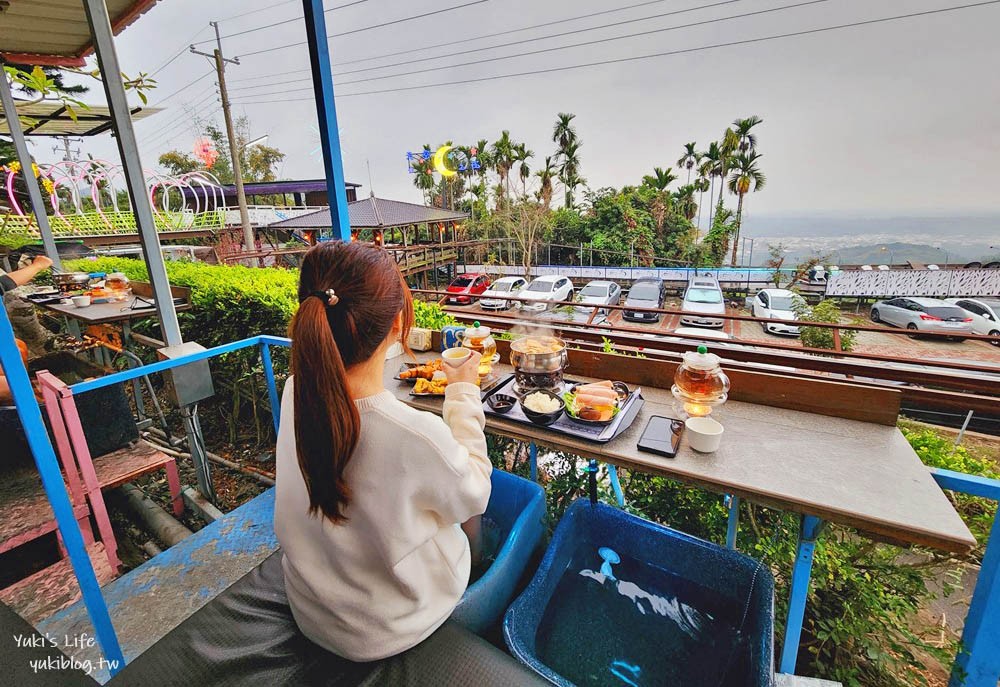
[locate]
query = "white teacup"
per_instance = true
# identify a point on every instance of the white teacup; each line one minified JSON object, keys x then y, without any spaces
{"x":704,"y":434}
{"x":81,"y":301}
{"x":455,"y":356}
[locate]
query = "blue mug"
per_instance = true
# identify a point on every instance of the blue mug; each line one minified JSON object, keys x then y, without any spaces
{"x":451,"y":336}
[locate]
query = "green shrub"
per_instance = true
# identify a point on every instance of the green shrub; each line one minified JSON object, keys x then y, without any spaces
{"x":431,"y":316}
{"x":822,"y":337}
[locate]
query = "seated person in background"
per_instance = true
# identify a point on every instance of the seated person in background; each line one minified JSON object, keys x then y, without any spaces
{"x":11,"y":280}
{"x":5,"y":397}
{"x":370,"y":492}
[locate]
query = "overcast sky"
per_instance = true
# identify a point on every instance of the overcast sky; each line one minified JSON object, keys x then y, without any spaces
{"x":898,"y":117}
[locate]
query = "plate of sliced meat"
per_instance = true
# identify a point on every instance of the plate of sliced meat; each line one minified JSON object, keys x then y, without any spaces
{"x":596,"y":403}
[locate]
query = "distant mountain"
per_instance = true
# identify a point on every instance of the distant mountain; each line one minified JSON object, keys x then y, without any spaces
{"x":896,"y":252}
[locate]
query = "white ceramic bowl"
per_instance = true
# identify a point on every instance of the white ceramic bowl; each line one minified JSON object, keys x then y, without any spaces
{"x":704,"y":434}
{"x":81,"y":301}
{"x":455,"y":356}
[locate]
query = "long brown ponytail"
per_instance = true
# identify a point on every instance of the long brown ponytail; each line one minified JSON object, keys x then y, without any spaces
{"x":326,"y":341}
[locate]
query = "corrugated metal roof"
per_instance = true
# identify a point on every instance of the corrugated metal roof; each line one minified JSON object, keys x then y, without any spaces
{"x":51,"y":119}
{"x":372,"y":212}
{"x":55,"y":32}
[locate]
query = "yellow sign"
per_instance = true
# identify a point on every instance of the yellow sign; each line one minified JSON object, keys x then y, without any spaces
{"x":439,"y":163}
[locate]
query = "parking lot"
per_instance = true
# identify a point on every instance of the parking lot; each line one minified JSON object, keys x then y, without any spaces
{"x":875,"y":343}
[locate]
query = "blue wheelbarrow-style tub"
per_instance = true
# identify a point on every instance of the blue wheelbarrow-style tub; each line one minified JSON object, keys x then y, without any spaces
{"x":735,"y":587}
{"x":517,"y":511}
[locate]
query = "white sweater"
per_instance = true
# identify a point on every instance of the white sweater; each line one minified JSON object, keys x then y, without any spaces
{"x":384,"y":580}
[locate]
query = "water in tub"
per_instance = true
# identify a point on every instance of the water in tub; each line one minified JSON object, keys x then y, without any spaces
{"x":641,"y":626}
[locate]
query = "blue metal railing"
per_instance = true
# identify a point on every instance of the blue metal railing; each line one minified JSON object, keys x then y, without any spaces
{"x":978,"y":663}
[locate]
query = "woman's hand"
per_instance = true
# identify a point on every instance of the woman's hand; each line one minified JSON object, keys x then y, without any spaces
{"x":466,"y":372}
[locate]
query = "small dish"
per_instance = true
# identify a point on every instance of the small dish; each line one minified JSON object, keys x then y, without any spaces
{"x":501,"y":403}
{"x":542,"y":418}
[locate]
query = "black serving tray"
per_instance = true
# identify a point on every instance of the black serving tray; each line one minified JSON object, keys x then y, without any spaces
{"x":564,"y":425}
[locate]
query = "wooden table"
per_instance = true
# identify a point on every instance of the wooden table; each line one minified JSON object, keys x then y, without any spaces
{"x":850,"y":472}
{"x":854,"y":473}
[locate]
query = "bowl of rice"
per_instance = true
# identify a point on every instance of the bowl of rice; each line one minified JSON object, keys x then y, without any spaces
{"x":542,"y":407}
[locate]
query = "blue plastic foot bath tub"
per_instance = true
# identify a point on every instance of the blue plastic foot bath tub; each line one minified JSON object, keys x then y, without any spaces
{"x":512,"y":530}
{"x":618,"y":600}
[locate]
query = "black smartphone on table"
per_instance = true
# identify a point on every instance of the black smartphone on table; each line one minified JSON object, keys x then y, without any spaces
{"x":662,"y":436}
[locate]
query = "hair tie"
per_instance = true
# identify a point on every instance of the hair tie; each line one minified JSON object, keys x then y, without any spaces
{"x":329,"y":297}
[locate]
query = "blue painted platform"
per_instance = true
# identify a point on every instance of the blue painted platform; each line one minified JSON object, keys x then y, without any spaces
{"x":154,"y":598}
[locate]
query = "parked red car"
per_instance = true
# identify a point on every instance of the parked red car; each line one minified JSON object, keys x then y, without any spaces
{"x":466,"y":286}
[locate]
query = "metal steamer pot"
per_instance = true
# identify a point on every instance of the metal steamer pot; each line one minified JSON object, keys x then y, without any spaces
{"x":538,"y":362}
{"x":71,"y":281}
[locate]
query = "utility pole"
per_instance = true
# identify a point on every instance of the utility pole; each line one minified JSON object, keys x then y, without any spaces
{"x":68,"y":155}
{"x":234,"y":152}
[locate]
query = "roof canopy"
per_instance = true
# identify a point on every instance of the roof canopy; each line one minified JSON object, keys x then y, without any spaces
{"x":51,"y":119}
{"x":373,"y":213}
{"x":55,"y":32}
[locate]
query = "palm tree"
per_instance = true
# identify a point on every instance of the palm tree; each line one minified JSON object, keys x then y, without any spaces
{"x":660,"y":178}
{"x":502,"y":157}
{"x":423,"y":177}
{"x":545,"y":176}
{"x":689,"y":159}
{"x":521,"y":155}
{"x":746,"y":177}
{"x":711,"y":167}
{"x":701,"y":185}
{"x":728,"y":146}
{"x":747,"y":140}
{"x":569,"y":173}
{"x":685,"y":202}
{"x":563,"y":132}
{"x":567,"y":153}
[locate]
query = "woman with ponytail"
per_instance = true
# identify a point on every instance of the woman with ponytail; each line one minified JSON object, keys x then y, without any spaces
{"x":372,"y":495}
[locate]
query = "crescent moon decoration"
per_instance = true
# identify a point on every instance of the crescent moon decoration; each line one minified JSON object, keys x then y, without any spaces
{"x":439,"y":163}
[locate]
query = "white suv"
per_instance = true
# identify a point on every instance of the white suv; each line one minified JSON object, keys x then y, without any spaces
{"x":495,"y":297}
{"x":542,"y":292}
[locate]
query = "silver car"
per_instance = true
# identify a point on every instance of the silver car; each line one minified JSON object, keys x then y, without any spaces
{"x":703,"y":297}
{"x":985,"y":313}
{"x":923,"y":315}
{"x":494,"y":298}
{"x":598,"y":293}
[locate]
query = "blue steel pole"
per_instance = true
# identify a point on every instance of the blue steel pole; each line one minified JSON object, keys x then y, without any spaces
{"x":55,"y":489}
{"x":322,"y":76}
{"x":733,"y":527}
{"x":272,"y":388}
{"x":533,"y":461}
{"x":616,"y":485}
{"x":809,"y":530}
{"x":979,"y":660}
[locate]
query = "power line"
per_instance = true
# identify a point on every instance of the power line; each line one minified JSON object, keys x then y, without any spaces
{"x":187,"y":85}
{"x":747,"y":41}
{"x":540,"y":38}
{"x":178,"y":54}
{"x":462,"y":40}
{"x":593,"y":28}
{"x":369,"y":28}
{"x":256,"y":11}
{"x":564,"y":47}
{"x":178,"y":133}
{"x":503,"y":33}
{"x":279,"y":23}
{"x":187,"y":114}
{"x":596,"y":41}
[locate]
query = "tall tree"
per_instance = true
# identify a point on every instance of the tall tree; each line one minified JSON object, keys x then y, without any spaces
{"x":689,"y":159}
{"x":711,"y":167}
{"x":569,"y":173}
{"x":660,"y":178}
{"x":522,"y":155}
{"x":545,"y":176}
{"x":728,"y":146}
{"x":746,"y":177}
{"x":567,"y":153}
{"x":502,"y":154}
{"x":743,"y":129}
{"x":701,"y":185}
{"x":685,"y":202}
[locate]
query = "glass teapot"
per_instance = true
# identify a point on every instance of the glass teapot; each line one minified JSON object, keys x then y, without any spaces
{"x":700,"y":383}
{"x":480,"y":339}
